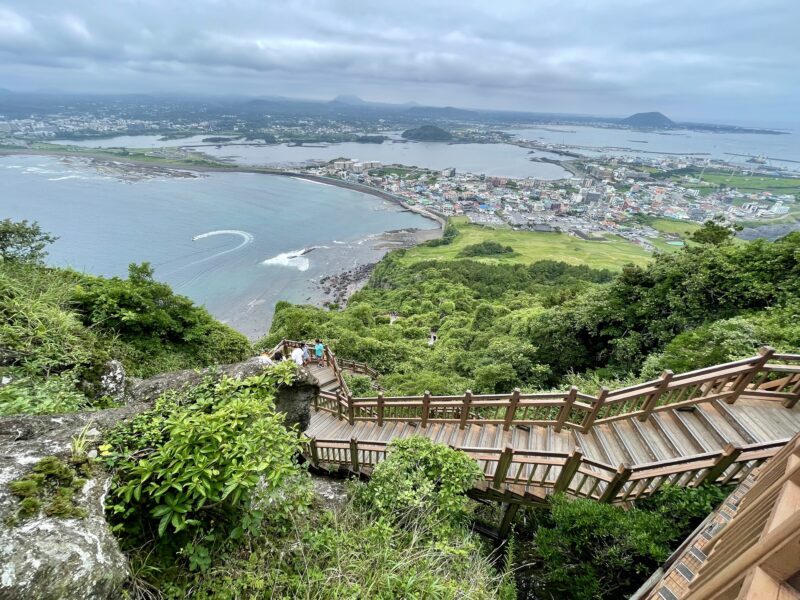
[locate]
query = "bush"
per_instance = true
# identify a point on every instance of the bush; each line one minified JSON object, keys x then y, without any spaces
{"x":486,"y":248}
{"x":421,"y":482}
{"x":583,"y":549}
{"x":187,"y":470}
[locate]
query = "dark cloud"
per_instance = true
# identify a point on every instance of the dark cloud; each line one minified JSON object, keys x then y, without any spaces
{"x":718,"y":58}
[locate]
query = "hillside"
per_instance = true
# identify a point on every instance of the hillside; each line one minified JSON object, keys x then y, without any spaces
{"x":428,"y":133}
{"x":649,"y":120}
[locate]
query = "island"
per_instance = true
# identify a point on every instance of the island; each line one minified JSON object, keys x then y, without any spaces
{"x":428,"y":133}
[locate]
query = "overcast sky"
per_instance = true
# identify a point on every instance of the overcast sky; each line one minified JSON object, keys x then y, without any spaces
{"x":723,"y":60}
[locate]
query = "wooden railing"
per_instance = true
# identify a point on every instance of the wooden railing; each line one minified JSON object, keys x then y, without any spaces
{"x":535,"y":473}
{"x":757,"y":554}
{"x":765,"y":376}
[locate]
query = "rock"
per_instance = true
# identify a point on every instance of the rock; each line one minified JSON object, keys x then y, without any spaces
{"x":112,"y":381}
{"x":332,"y":493}
{"x":51,"y":557}
{"x":294,"y":400}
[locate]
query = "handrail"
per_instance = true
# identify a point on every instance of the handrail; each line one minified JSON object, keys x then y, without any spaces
{"x":535,"y":473}
{"x":758,"y":377}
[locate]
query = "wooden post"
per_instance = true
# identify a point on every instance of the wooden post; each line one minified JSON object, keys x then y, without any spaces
{"x":351,"y":416}
{"x":314,"y":452}
{"x":511,"y":409}
{"x":616,"y":484}
{"x":652,"y":399}
{"x":508,"y":519}
{"x":726,"y":459}
{"x":339,"y":405}
{"x":465,"y":409}
{"x":795,"y":389}
{"x":598,"y":404}
{"x":764,"y":355}
{"x":566,"y":408}
{"x":354,"y":454}
{"x":426,"y":407}
{"x":380,"y":409}
{"x":568,"y":471}
{"x":502,"y":466}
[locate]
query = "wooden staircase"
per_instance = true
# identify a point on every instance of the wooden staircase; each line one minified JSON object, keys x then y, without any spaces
{"x":711,"y":425}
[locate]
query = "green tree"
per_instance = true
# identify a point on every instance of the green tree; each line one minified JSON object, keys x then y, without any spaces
{"x":21,"y":241}
{"x":715,"y":232}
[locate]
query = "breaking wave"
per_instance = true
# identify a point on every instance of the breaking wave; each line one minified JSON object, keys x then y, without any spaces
{"x":294,"y":259}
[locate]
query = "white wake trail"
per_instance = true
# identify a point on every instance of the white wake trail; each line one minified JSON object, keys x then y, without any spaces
{"x":247,"y":238}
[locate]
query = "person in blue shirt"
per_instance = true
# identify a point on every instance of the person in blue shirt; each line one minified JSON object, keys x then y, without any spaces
{"x":319,"y":352}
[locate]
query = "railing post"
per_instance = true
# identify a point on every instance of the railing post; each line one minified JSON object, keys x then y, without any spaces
{"x":568,"y":471}
{"x":465,"y":409}
{"x":351,"y":411}
{"x":616,"y":484}
{"x":598,"y":404}
{"x":508,"y":519}
{"x":652,"y":399}
{"x":566,"y":408}
{"x":502,"y":466}
{"x":426,"y":407}
{"x":790,"y":402}
{"x":314,"y":452}
{"x":339,"y":405}
{"x":764,"y":355}
{"x":726,"y":459}
{"x":354,"y":454}
{"x":380,"y":409}
{"x":511,"y":409}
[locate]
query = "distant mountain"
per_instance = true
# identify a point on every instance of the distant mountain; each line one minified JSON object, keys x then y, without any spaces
{"x":650,"y":120}
{"x":349,"y":100}
{"x":428,"y":133}
{"x":440,"y":112}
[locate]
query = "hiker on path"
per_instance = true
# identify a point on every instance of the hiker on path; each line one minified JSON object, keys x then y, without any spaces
{"x":298,"y":355}
{"x":319,"y":352}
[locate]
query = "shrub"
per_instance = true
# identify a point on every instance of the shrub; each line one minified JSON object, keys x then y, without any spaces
{"x":191,"y":466}
{"x":485,"y":248}
{"x":421,"y":481}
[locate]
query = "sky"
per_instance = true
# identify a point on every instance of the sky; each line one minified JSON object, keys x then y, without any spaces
{"x":720,"y":60}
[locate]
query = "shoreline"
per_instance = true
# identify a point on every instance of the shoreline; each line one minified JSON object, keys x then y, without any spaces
{"x":358,"y":187}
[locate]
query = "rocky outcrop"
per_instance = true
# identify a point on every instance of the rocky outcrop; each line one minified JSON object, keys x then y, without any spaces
{"x":112,"y":381}
{"x":46,"y":557}
{"x":294,"y":401}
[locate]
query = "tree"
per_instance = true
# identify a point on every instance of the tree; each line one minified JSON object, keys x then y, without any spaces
{"x":715,"y":232}
{"x":21,"y":241}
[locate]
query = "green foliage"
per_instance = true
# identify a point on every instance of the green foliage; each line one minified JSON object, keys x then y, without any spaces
{"x":485,"y":248}
{"x":715,"y":233}
{"x":583,"y":549}
{"x":37,"y":395}
{"x":683,"y":509}
{"x":189,"y":468}
{"x":421,"y":482}
{"x":360,"y":385}
{"x":450,"y":233}
{"x":21,"y":241}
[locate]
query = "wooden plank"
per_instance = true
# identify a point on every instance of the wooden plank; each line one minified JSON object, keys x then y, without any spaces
{"x":566,"y":408}
{"x":741,"y":428}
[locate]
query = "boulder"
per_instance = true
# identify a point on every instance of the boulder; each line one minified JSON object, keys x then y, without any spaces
{"x":112,"y":381}
{"x":43,"y":558}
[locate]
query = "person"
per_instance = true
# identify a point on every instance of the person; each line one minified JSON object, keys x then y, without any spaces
{"x":297,"y":355}
{"x":319,"y":352}
{"x":264,"y":358}
{"x":306,"y":355}
{"x":278,"y":356}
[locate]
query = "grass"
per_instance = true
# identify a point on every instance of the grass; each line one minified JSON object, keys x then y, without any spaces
{"x":755,"y":183}
{"x":530,"y":247}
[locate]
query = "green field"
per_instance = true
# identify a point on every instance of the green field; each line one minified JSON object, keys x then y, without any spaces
{"x":530,"y":247}
{"x":755,"y":183}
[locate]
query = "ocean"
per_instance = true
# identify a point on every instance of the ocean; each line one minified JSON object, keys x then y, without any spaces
{"x":234,"y":242}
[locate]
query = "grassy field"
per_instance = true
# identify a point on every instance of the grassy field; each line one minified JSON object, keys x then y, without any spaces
{"x":755,"y":183}
{"x":530,"y":247}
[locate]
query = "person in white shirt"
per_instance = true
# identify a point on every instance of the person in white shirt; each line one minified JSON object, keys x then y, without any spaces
{"x":297,"y":355}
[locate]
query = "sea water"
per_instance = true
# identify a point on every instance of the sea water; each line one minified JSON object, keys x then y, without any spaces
{"x":235,"y":242}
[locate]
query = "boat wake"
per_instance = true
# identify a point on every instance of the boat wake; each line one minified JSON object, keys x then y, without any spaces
{"x":247,"y":238}
{"x":294,"y":259}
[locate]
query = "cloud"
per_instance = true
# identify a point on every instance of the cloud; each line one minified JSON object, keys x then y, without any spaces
{"x":601,"y":56}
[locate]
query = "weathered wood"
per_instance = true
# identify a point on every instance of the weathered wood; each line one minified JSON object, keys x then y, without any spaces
{"x":314,"y":452}
{"x":380,"y":409}
{"x":465,"y":408}
{"x":511,"y":409}
{"x":350,"y":409}
{"x":568,"y":471}
{"x":339,"y":404}
{"x":354,"y":455}
{"x":426,"y":407}
{"x":725,"y":460}
{"x":653,"y":398}
{"x":508,"y":520}
{"x":598,"y":404}
{"x":566,"y":408}
{"x":765,"y":353}
{"x":502,"y":466}
{"x":616,"y":484}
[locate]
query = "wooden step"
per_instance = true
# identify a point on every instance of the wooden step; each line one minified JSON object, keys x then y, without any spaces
{"x":692,"y":429}
{"x":682,"y":444}
{"x":645,"y":452}
{"x":725,"y":433}
{"x":622,"y":436}
{"x":648,"y":432}
{"x":739,"y":426}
